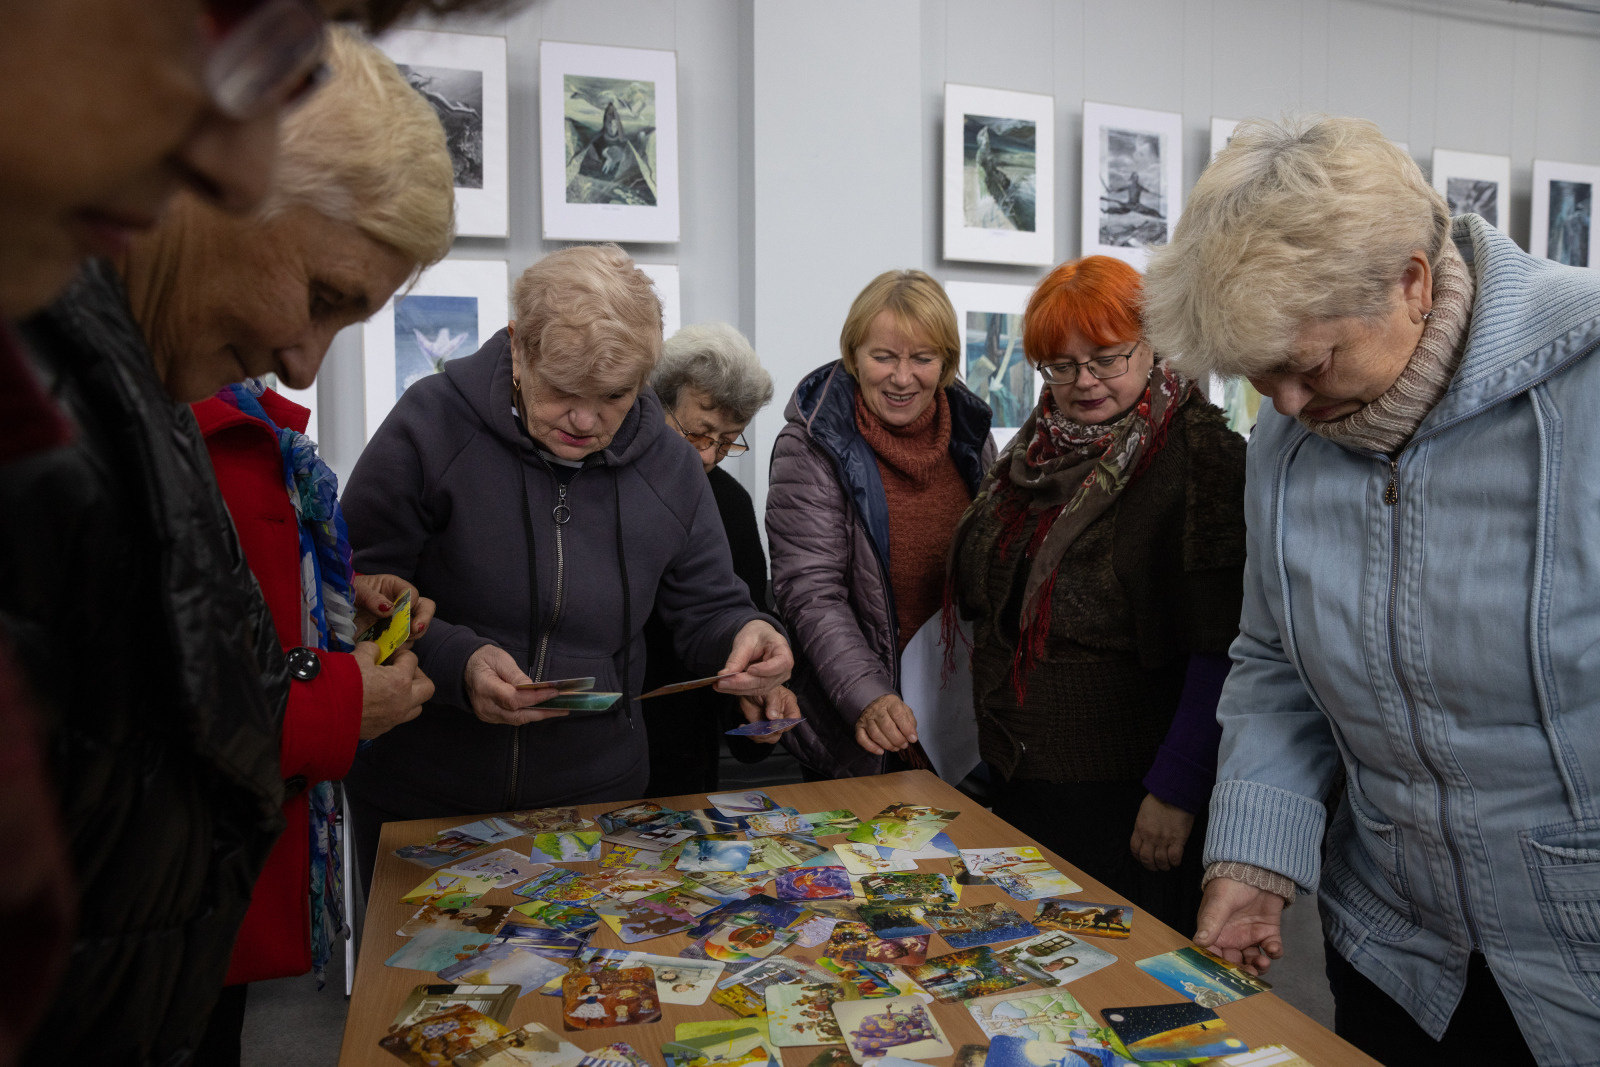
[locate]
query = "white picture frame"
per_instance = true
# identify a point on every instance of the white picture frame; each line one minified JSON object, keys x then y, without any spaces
{"x":999,"y":176}
{"x":1562,"y":228}
{"x":1221,"y":134}
{"x":992,"y":363}
{"x":1132,"y":180}
{"x":389,"y":359}
{"x":604,"y":193}
{"x":664,"y":280}
{"x":1476,"y":183}
{"x":459,"y":74}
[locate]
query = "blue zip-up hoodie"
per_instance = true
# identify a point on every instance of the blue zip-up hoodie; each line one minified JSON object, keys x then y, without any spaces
{"x":1445,"y":650}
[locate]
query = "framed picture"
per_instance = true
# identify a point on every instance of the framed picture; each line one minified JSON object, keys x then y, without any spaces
{"x":1132,"y":180}
{"x":463,"y":76}
{"x":1239,"y":401}
{"x":999,"y":176}
{"x":1563,"y":212}
{"x":608,"y":143}
{"x":1221,"y":134}
{"x":664,"y":278}
{"x":1474,"y":183}
{"x":453,"y":309}
{"x":992,"y":362}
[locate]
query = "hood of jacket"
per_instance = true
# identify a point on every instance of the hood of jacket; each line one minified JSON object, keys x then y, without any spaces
{"x":823,"y":406}
{"x":484,"y":381}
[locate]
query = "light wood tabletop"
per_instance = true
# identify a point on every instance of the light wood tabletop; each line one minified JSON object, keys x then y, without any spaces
{"x":380,"y":990}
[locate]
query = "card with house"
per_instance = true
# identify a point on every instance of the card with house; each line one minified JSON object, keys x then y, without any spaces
{"x":1056,"y":958}
{"x":971,"y":972}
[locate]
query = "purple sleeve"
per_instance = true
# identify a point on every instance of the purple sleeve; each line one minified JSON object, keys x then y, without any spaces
{"x":1186,"y":766}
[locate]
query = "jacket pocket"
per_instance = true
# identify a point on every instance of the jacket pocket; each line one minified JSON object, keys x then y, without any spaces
{"x":1364,"y":873}
{"x":1566,"y":880}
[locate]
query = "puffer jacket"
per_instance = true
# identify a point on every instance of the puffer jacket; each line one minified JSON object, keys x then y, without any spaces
{"x":828,"y":529}
{"x":1442,"y":649}
{"x":159,"y":673}
{"x":452,"y":494}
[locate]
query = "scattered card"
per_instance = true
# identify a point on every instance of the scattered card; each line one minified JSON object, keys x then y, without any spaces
{"x":566,"y":846}
{"x":902,"y":1026}
{"x":986,"y":862}
{"x":743,"y":937}
{"x":971,"y":1056}
{"x":490,"y":831}
{"x":836,"y":821}
{"x":1034,"y":884}
{"x":495,"y":1001}
{"x":1173,"y":1031}
{"x":920,"y":887}
{"x":711,"y":821}
{"x":1056,"y":958}
{"x":532,"y":1046}
{"x":835,"y":1057}
{"x":440,"y":851}
{"x":609,"y":998}
{"x":505,"y":866}
{"x":437,"y":1040}
{"x":630,"y":885}
{"x":971,"y":972}
{"x":1053,"y":1015}
{"x":652,"y":838}
{"x":725,"y":886}
{"x":1208,"y":980}
{"x":895,"y":920}
{"x":482,"y":919}
{"x":984,"y":924}
{"x":1081,"y":917}
{"x":939,"y":847}
{"x":814,"y":931}
{"x":872,"y":980}
{"x":435,"y":950}
{"x":747,"y":803}
{"x":705,"y":854}
{"x":616,"y":1054}
{"x":780,"y":851}
{"x":1007,"y":1051}
{"x":802,"y":1014}
{"x":780,"y":821}
{"x":813,"y":883}
{"x":567,"y":918}
{"x":870,"y":859}
{"x":962,"y":876}
{"x":856,"y":941}
{"x":449,"y":890}
{"x":548,"y":820}
{"x":633,"y":815}
{"x":719,"y":1043}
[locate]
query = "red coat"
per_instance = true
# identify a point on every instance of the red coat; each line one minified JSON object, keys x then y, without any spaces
{"x":323,"y":721}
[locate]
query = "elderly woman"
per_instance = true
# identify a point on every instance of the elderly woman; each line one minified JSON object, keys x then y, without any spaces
{"x":535,"y":491}
{"x":710,"y":385}
{"x":1101,"y":565}
{"x":1420,"y":598}
{"x":882,"y":452}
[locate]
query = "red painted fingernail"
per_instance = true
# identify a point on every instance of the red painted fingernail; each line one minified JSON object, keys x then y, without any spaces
{"x":384,"y":607}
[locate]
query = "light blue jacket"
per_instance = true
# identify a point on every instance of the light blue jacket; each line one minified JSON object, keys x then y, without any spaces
{"x":1445,"y":650}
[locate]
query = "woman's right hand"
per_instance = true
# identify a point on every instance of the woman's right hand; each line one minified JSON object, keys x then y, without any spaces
{"x":1241,"y":923}
{"x":491,"y":678}
{"x":886,"y":725}
{"x":391,"y":693}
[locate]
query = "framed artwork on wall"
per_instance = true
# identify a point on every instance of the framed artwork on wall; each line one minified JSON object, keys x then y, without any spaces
{"x":1474,"y":183}
{"x":1132,"y":180}
{"x":455,"y":307}
{"x":992,"y":362}
{"x":1221,"y":134}
{"x":664,"y":278}
{"x":1563,"y":212}
{"x":463,"y":76}
{"x":608,"y":143}
{"x":999,"y":176}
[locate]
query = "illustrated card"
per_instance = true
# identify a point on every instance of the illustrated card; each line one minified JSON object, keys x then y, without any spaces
{"x":679,"y":981}
{"x":895,"y":920}
{"x":871,"y":859}
{"x":983,"y":924}
{"x":1265,"y":1056}
{"x":609,"y":998}
{"x":748,"y":982}
{"x":1056,"y":958}
{"x":1081,"y":917}
{"x":742,"y":1001}
{"x":1008,"y":1051}
{"x":743,"y":937}
{"x":495,"y":1001}
{"x":1051,"y":1015}
{"x":780,"y":821}
{"x":544,"y":882}
{"x":813,"y":883}
{"x":749,"y":802}
{"x":719,"y":1043}
{"x":534,"y":1045}
{"x":987,"y":862}
{"x":505,"y":866}
{"x":437,"y":1040}
{"x":835,"y":1057}
{"x":900,"y":1026}
{"x":711,"y":821}
{"x":627,"y":886}
{"x":477,"y":919}
{"x":707,"y":854}
{"x":778,"y":913}
{"x":782,"y":850}
{"x":1208,"y":980}
{"x":962,"y":876}
{"x":814,"y":931}
{"x":490,"y":831}
{"x":651,"y":838}
{"x":971,"y":1056}
{"x":567,"y":918}
{"x":835,"y":821}
{"x":1173,"y":1031}
{"x":802,"y":1014}
{"x":565,"y":846}
{"x":449,"y":890}
{"x":1035,"y":884}
{"x":616,"y":1054}
{"x":971,"y":972}
{"x":913,"y":887}
{"x":903,"y":826}
{"x":633,"y":815}
{"x":856,"y":941}
{"x":764,"y":727}
{"x":871,"y":981}
{"x":640,"y":858}
{"x":532,"y":935}
{"x":726,"y":886}
{"x":548,"y":820}
{"x":391,"y":631}
{"x":440,"y":851}
{"x":650,"y":918}
{"x":505,"y":964}
{"x":434,"y":950}
{"x":938,"y":848}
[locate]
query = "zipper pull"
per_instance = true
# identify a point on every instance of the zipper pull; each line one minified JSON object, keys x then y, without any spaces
{"x":1391,"y":493}
{"x":561,"y":512}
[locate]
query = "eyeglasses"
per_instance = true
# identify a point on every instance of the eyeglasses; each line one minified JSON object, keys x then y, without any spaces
{"x":703,"y":441}
{"x":263,"y":53}
{"x":1065,"y":371}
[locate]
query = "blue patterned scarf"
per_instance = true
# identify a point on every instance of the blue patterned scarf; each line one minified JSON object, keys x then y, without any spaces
{"x":327,"y":598}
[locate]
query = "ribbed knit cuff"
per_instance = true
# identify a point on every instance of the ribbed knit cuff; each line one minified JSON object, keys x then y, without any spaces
{"x":1265,"y":826}
{"x":1250,"y":874}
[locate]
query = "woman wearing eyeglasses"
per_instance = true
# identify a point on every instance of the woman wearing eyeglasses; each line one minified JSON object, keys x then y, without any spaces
{"x":1101,"y":567}
{"x":881,"y":454}
{"x":710,"y":385}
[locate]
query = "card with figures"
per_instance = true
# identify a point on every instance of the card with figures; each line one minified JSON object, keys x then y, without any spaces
{"x":780,"y":821}
{"x":450,"y":890}
{"x":534,"y":1045}
{"x":802,"y":1013}
{"x":495,"y":1001}
{"x":504,"y":865}
{"x":438,"y":1039}
{"x":726,"y":886}
{"x":982,"y":924}
{"x":895,"y":920}
{"x":607,"y":998}
{"x":871,"y":981}
{"x":856,"y":941}
{"x":743,"y":937}
{"x":1056,"y":958}
{"x":813,"y":883}
{"x":441,"y":850}
{"x":903,"y":1027}
{"x":1207,"y":979}
{"x":871,"y":859}
{"x":920,"y":887}
{"x":1049,"y":1015}
{"x":502,"y":963}
{"x":971,"y":972}
{"x":720,"y":1043}
{"x":473,"y":919}
{"x":568,"y":918}
{"x":836,"y":821}
{"x":434,"y":950}
{"x":548,"y":820}
{"x":1082,"y":917}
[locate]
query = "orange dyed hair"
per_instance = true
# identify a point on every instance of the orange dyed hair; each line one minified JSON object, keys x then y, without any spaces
{"x":1096,"y":296}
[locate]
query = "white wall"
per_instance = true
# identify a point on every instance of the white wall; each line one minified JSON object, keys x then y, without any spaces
{"x":810,"y":132}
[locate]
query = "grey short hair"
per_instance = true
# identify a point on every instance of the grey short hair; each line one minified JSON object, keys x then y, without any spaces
{"x":714,"y":358}
{"x":1296,"y":221}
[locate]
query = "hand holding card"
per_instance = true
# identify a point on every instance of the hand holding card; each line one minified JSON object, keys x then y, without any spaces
{"x":491,"y":678}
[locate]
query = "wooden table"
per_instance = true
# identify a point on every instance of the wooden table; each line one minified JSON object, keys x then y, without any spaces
{"x":379,"y":990}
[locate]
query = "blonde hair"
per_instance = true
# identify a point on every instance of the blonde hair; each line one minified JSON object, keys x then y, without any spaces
{"x":1295,"y":221}
{"x":714,"y":358}
{"x":921,"y":306}
{"x":587,"y":320}
{"x":366,"y":149}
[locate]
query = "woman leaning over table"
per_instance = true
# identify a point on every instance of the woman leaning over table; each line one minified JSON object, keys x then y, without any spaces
{"x":1421,"y":602}
{"x":881,"y":454}
{"x":1101,"y":566}
{"x":534,"y":489}
{"x":710,"y":385}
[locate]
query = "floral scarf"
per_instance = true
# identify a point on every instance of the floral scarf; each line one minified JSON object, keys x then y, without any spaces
{"x":327,"y":598}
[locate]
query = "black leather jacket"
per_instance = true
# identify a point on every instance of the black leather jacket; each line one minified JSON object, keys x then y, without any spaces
{"x":158,"y":671}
